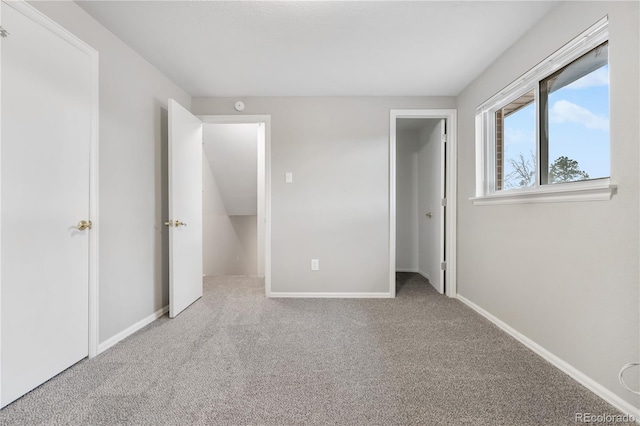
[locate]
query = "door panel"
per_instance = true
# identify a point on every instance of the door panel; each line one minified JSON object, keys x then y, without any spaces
{"x":46,"y":136}
{"x":431,"y":213}
{"x":185,"y":207}
{"x":443,"y":209}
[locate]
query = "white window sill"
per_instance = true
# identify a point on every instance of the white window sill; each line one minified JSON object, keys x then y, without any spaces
{"x":596,"y":190}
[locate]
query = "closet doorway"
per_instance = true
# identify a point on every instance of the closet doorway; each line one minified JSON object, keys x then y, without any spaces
{"x":422,"y":197}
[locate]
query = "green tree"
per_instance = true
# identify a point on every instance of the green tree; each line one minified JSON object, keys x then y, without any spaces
{"x":565,"y":169}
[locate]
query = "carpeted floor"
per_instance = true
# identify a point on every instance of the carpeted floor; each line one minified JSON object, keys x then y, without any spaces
{"x":237,"y":358}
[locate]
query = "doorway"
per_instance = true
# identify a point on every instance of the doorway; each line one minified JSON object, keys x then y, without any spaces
{"x":422,"y":197}
{"x":185,"y":189}
{"x":230,"y":198}
{"x":420,"y":187}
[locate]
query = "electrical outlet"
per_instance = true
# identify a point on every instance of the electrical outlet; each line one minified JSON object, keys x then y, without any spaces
{"x":288,"y":177}
{"x":315,"y":264}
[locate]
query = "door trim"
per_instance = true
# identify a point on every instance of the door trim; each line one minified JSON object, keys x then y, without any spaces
{"x":264,"y":214}
{"x":450,"y":115}
{"x":93,"y":278}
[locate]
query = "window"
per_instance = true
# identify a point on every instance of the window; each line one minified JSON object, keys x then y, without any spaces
{"x":546,"y":136}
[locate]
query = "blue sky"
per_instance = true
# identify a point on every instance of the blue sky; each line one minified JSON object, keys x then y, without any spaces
{"x":578,"y":125}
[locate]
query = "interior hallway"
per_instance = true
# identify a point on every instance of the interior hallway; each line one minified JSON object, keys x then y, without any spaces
{"x":235,"y":357}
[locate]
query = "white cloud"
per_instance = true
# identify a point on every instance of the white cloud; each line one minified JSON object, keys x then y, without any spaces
{"x":517,"y":136}
{"x":599,"y":77}
{"x":566,"y":112}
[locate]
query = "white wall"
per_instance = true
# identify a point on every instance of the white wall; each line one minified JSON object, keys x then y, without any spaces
{"x":133,"y":102}
{"x":429,"y":196}
{"x":229,"y":242}
{"x":246,"y":228}
{"x":407,"y":200}
{"x":563,"y":274}
{"x":232,"y":150}
{"x":337,"y":208}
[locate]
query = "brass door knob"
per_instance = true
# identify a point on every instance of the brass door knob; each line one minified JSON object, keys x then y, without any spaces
{"x":84,"y":224}
{"x":175,"y":223}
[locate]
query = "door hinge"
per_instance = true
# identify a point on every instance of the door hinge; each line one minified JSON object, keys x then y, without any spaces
{"x":3,"y":33}
{"x":444,"y":138}
{"x":443,"y":266}
{"x":443,"y":202}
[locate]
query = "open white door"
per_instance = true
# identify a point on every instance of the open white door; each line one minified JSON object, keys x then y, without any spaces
{"x":185,"y":208}
{"x":443,"y":209}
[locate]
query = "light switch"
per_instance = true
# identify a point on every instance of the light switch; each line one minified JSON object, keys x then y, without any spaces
{"x":288,"y":177}
{"x":315,"y":264}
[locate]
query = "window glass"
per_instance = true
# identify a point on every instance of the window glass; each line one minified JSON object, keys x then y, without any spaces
{"x":575,"y":120}
{"x":516,"y":143}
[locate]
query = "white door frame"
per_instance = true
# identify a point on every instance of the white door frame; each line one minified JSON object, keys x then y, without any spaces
{"x":264,"y":210}
{"x":450,"y":115}
{"x":43,"y":20}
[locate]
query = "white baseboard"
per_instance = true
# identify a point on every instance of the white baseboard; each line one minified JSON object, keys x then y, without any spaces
{"x":424,"y":274}
{"x":559,"y":363}
{"x":415,"y":271}
{"x":129,"y":331}
{"x":419,"y":272}
{"x":275,"y":294}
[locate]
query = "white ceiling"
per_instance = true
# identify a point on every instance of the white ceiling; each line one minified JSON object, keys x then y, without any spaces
{"x":232,"y":152}
{"x":319,"y":48}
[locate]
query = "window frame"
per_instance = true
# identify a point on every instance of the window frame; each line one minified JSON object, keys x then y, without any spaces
{"x":595,"y":189}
